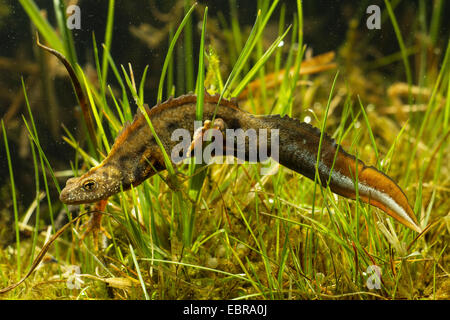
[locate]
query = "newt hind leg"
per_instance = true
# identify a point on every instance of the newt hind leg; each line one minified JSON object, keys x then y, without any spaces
{"x":94,"y":224}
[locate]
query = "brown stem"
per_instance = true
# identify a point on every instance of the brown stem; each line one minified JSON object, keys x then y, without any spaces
{"x":78,"y":89}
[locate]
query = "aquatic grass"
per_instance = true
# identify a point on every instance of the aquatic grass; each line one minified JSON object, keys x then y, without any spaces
{"x":372,"y":138}
{"x":141,"y":85}
{"x":37,"y":200}
{"x":436,"y":20}
{"x":34,"y":140}
{"x":197,"y":177}
{"x":34,"y":137}
{"x":200,"y":83}
{"x":106,"y":111}
{"x":138,"y":270}
{"x":95,"y":113}
{"x":258,"y":54}
{"x":43,"y":25}
{"x":179,"y":203}
{"x":170,"y":69}
{"x":140,"y":104}
{"x":170,"y":51}
{"x":67,"y":39}
{"x":431,"y":106}
{"x":46,"y":169}
{"x":230,"y":275}
{"x":281,"y":23}
{"x":188,"y":48}
{"x":235,"y":27}
{"x":255,"y":34}
{"x":107,"y":44}
{"x":124,"y":110}
{"x":298,"y":56}
{"x":317,"y":177}
{"x":14,"y":201}
{"x":401,"y":43}
{"x":71,"y":140}
{"x":284,"y":102}
{"x":258,"y":65}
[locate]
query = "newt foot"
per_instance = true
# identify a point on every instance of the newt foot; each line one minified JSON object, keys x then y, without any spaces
{"x":94,"y":224}
{"x":218,"y":124}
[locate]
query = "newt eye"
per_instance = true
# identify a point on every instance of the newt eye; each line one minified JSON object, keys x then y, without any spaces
{"x":89,"y":185}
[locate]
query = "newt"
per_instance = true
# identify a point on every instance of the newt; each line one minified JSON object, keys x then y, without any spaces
{"x":136,"y":156}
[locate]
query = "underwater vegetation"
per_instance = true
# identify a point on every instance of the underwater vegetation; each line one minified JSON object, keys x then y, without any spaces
{"x":374,"y":78}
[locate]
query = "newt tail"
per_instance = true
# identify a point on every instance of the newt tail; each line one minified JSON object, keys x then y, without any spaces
{"x":299,"y":143}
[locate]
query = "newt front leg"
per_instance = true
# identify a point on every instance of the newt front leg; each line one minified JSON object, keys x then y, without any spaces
{"x":199,"y":134}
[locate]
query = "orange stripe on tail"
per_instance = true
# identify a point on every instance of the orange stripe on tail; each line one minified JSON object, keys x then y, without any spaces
{"x":374,"y":187}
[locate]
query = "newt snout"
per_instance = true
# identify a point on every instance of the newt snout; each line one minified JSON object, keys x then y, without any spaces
{"x":97,"y":184}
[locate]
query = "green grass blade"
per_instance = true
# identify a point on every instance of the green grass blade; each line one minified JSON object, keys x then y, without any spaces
{"x":252,"y":40}
{"x":167,"y":160}
{"x":431,"y":106}
{"x":298,"y":57}
{"x":251,"y":74}
{"x":127,"y":114}
{"x":188,"y":50}
{"x":170,"y":51}
{"x":436,"y":20}
{"x":401,"y":43}
{"x":107,"y":44}
{"x":235,"y":26}
{"x":60,"y":13}
{"x":170,"y":68}
{"x":372,"y":138}
{"x":317,"y":178}
{"x":14,"y":201}
{"x":141,"y":85}
{"x":197,"y":180}
{"x":138,"y":270}
{"x":43,"y":26}
{"x":95,"y":112}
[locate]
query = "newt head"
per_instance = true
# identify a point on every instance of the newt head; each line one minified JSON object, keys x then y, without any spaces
{"x":98,"y":184}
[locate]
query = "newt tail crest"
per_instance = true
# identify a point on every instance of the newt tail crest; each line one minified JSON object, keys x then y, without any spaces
{"x":348,"y":177}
